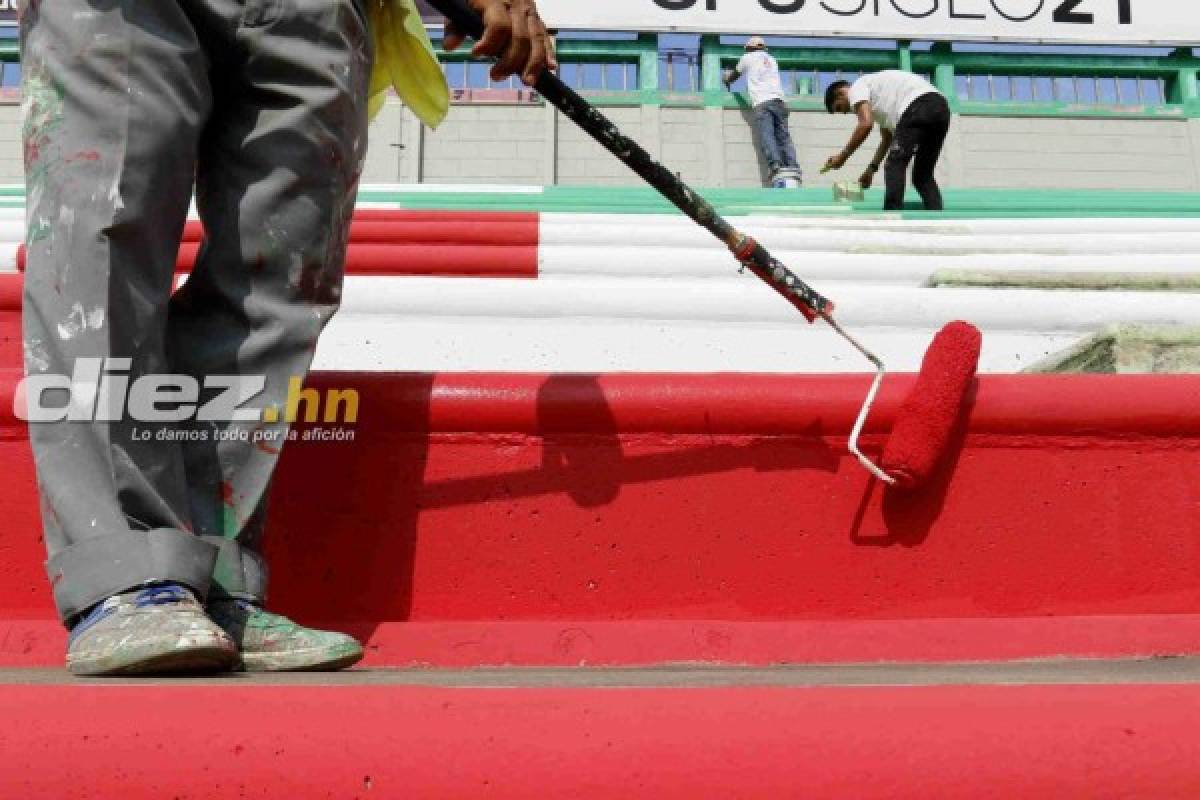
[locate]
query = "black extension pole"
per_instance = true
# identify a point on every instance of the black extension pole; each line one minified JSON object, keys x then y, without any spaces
{"x":747,"y":251}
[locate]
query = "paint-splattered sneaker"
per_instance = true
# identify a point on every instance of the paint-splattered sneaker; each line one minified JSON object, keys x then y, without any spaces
{"x":156,"y":630}
{"x":273,"y":643}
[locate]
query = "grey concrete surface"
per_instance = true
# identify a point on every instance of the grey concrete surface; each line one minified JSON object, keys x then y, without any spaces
{"x":1049,"y":672}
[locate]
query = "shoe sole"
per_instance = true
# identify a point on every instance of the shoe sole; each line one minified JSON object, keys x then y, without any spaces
{"x":315,"y":660}
{"x":198,"y":660}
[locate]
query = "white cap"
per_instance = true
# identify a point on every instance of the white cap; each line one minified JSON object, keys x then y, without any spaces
{"x":756,"y":43}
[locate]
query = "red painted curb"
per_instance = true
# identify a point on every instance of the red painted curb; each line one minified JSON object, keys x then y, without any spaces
{"x":509,"y":233}
{"x":387,"y":242}
{"x":468,"y":260}
{"x":705,"y":502}
{"x":746,"y":403}
{"x":773,"y":404}
{"x":451,"y":260}
{"x":11,"y":289}
{"x":233,"y":741}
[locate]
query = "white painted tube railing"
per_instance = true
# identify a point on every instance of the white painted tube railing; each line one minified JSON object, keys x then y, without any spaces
{"x":557,"y":261}
{"x":747,"y":301}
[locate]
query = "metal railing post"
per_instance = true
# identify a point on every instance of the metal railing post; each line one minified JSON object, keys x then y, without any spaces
{"x":944,"y":74}
{"x":648,"y":67}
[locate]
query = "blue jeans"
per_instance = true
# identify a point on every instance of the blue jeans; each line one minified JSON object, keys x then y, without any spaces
{"x":774,"y":138}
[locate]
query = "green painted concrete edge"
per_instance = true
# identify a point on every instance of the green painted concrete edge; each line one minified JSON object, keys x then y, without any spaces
{"x":1128,"y":349}
{"x":964,"y":203}
{"x":961,"y":203}
{"x":1091,"y":281}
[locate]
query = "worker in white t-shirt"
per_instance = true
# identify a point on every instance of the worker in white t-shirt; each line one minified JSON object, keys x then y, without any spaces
{"x":770,"y":110}
{"x":913,"y":117}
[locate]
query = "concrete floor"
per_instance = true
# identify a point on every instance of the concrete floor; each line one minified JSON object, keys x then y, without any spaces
{"x":1072,"y":672}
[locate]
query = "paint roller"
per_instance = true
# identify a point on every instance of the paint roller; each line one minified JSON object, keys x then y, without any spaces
{"x":926,"y":421}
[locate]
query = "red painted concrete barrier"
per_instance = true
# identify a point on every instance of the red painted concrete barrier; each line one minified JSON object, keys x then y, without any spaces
{"x":11,"y":286}
{"x":437,"y":215}
{"x":941,"y":743}
{"x":11,"y":348}
{"x":461,"y":260}
{"x":384,"y":242}
{"x":489,"y":519}
{"x":512,"y":232}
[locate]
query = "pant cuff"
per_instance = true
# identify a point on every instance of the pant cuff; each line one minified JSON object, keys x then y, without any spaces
{"x":93,"y":570}
{"x":238,"y":572}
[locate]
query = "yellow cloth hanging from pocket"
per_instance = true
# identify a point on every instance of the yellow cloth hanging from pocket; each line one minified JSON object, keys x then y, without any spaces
{"x":404,"y":60}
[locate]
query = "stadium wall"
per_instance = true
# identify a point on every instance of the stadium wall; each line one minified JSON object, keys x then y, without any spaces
{"x":713,"y":147}
{"x":526,"y":143}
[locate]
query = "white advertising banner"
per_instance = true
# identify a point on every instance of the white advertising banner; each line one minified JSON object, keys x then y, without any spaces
{"x":1132,"y":22}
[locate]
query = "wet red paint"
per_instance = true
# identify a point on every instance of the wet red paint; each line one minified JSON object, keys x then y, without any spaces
{"x":867,"y":743}
{"x":11,"y":289}
{"x":384,"y":226}
{"x":397,"y":242}
{"x":655,"y":518}
{"x":406,"y":258}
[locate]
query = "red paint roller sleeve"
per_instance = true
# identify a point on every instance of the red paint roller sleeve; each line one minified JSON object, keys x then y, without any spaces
{"x":927,"y":419}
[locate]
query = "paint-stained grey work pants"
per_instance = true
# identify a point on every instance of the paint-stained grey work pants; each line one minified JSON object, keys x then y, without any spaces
{"x":261,"y":106}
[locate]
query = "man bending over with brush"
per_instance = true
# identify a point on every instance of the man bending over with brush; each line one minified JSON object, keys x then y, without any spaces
{"x":155,"y":556}
{"x":913,"y":118}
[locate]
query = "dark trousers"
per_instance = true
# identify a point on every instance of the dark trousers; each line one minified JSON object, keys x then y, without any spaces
{"x":774,"y":138}
{"x":920,"y":135}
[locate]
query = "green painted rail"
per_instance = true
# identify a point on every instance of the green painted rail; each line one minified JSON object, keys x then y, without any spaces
{"x":944,"y":65}
{"x":1178,"y":73}
{"x":962,"y":203}
{"x":966,"y":203}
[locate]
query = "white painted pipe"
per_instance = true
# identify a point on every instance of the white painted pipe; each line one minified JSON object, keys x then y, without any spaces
{"x":876,"y":242}
{"x":749,"y":301}
{"x":557,"y":261}
{"x":8,"y":256}
{"x":564,"y":345}
{"x":12,"y":229}
{"x":756,"y":224}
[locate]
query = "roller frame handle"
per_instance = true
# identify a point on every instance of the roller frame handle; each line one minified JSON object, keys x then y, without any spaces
{"x":748,"y":252}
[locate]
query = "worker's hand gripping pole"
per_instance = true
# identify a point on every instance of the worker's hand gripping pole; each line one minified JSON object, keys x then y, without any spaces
{"x":748,"y":252}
